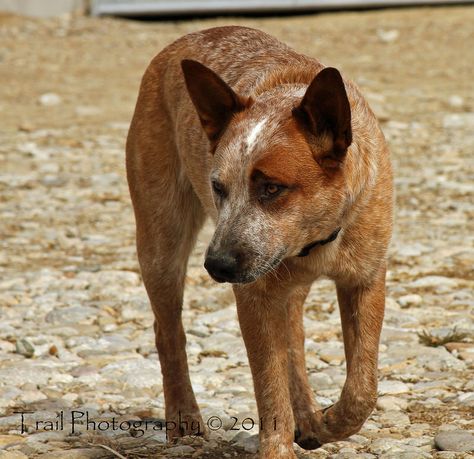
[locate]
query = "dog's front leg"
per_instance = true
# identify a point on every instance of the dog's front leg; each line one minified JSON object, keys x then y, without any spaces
{"x":362,"y":310}
{"x":263,"y":318}
{"x":304,"y":404}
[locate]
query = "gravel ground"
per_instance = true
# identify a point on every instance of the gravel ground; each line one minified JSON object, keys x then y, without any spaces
{"x":76,"y":329}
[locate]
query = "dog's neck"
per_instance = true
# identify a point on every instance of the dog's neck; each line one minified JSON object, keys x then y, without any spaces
{"x":307,"y":248}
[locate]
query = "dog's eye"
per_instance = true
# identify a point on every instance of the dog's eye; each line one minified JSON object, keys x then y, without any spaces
{"x":218,"y":188}
{"x":272,"y":190}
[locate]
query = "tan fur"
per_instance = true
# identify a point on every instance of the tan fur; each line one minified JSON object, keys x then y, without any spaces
{"x":170,"y":164}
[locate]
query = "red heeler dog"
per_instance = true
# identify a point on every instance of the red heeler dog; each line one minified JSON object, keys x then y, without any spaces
{"x":287,"y":159}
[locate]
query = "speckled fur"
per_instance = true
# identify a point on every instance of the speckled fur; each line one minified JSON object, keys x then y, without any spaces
{"x":170,"y":162}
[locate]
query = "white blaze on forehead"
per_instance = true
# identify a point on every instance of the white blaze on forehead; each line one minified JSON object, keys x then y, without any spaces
{"x":243,"y":144}
{"x":255,"y":131}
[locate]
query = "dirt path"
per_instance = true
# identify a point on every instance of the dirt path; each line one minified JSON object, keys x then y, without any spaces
{"x":76,"y":327}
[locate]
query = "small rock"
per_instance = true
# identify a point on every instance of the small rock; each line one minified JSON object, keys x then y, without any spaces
{"x":44,"y":437}
{"x":439,"y":359}
{"x":10,"y":440}
{"x":136,"y":374}
{"x":25,"y":348}
{"x":332,"y":355}
{"x":458,"y":120}
{"x":346,"y":453}
{"x":421,"y":442}
{"x":87,"y":110}
{"x":388,"y":403}
{"x":324,"y":401}
{"x":455,"y":440}
{"x":26,"y":127}
{"x":49,"y":99}
{"x":233,"y":437}
{"x":320,"y":381}
{"x":456,"y":101}
{"x":70,"y":397}
{"x":200,"y":332}
{"x":467,"y":399}
{"x":179,"y":450}
{"x":385,"y":445}
{"x":454,"y":346}
{"x":53,"y":181}
{"x":447,"y":427}
{"x":159,"y":437}
{"x":71,"y":314}
{"x":359,"y":439}
{"x":394,"y":419}
{"x":406,"y":455}
{"x":410,"y":301}
{"x":388,"y":36}
{"x":447,"y":455}
{"x":12,"y":455}
{"x":79,"y":453}
{"x":397,"y":125}
{"x":248,"y":443}
{"x":412,"y":250}
{"x":437,"y":283}
{"x":32,"y":396}
{"x":393,"y":387}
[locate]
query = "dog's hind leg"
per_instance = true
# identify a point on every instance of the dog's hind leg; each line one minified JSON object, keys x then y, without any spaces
{"x":168,"y":217}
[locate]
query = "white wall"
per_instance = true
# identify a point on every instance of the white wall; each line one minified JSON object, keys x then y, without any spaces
{"x":42,"y":8}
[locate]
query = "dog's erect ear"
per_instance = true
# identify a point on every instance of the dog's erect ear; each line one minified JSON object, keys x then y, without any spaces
{"x":325,"y":110}
{"x":213,"y":98}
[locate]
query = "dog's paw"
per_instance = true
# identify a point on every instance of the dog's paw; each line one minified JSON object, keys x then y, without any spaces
{"x":334,"y":423}
{"x":308,"y":429}
{"x":307,"y":441}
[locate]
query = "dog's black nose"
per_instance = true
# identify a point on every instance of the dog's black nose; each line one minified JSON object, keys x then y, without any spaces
{"x":222,"y":266}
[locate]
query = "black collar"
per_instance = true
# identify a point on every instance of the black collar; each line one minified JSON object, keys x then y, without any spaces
{"x":307,"y":248}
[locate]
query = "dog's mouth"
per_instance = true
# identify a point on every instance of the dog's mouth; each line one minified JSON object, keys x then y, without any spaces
{"x":240,"y":278}
{"x":269,"y":267}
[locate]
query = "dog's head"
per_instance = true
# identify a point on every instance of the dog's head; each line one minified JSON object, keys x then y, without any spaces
{"x":278,"y":168}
